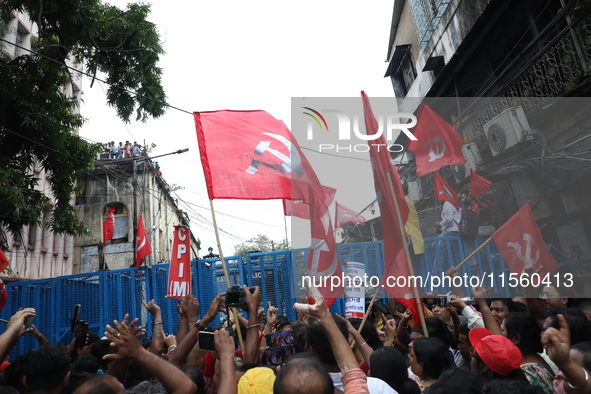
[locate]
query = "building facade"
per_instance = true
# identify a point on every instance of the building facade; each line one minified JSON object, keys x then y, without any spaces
{"x":134,"y":187}
{"x":513,"y":78}
{"x":37,"y":252}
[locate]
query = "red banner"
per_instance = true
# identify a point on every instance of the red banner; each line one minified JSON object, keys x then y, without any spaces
{"x":520,"y":243}
{"x":444,"y":192}
{"x":179,"y":273}
{"x":394,"y":257}
{"x":323,"y":259}
{"x":142,"y":243}
{"x":109,"y":226}
{"x":438,"y":144}
{"x":3,"y":292}
{"x":344,"y":215}
{"x":251,"y":155}
{"x":3,"y":261}
{"x":478,"y":184}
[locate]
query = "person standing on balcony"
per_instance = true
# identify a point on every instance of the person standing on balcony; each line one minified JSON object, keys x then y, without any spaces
{"x":450,"y":217}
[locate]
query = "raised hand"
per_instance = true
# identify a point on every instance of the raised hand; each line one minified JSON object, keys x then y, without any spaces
{"x":123,"y":339}
{"x":16,"y":325}
{"x":190,"y":307}
{"x":152,"y":307}
{"x":557,"y":342}
{"x":272,"y":314}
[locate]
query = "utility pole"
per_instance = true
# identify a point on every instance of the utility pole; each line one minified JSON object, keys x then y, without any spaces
{"x":134,"y":183}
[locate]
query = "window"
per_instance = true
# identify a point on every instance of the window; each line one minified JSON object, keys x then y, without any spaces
{"x":121,"y":214}
{"x":402,"y":70}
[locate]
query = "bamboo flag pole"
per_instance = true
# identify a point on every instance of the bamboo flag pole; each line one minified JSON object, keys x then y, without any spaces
{"x":406,"y":252}
{"x":373,"y":299}
{"x":225,"y":268}
{"x":482,"y":245}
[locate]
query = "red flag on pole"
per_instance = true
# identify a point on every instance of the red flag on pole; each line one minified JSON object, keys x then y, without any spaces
{"x":109,"y":226}
{"x":444,"y":192}
{"x":438,"y":144}
{"x":251,"y":155}
{"x":520,"y":243}
{"x":179,"y":273}
{"x":395,"y":263}
{"x":142,"y":243}
{"x":478,"y":184}
{"x":3,"y":261}
{"x":344,"y":215}
{"x":323,"y":259}
{"x":301,"y":209}
{"x":3,"y":295}
{"x":3,"y":292}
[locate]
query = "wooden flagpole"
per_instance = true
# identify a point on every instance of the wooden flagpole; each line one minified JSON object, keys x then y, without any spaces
{"x":226,"y":276}
{"x":411,"y":270}
{"x":482,"y":245}
{"x":373,"y":299}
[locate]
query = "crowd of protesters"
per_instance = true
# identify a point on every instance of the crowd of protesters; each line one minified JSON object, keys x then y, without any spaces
{"x":538,"y":343}
{"x":114,"y":151}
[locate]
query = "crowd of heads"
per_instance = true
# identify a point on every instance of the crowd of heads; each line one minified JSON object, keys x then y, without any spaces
{"x":484,"y":345}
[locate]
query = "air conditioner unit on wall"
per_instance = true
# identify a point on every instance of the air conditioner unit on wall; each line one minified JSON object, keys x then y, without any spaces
{"x":506,"y":130}
{"x":473,"y":159}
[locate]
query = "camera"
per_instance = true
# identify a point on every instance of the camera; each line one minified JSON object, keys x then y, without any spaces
{"x":236,"y":297}
{"x":443,"y":299}
{"x":79,"y":328}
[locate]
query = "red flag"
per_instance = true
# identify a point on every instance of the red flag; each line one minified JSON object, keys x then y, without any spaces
{"x":3,"y":292}
{"x":478,"y":184}
{"x":3,"y":261}
{"x":444,"y":192}
{"x":520,"y":243}
{"x":344,"y":215}
{"x":142,"y":243}
{"x":251,"y":155}
{"x":394,"y":257}
{"x":323,"y":259}
{"x":301,"y":209}
{"x":438,"y":144}
{"x":109,"y":226}
{"x":179,"y":273}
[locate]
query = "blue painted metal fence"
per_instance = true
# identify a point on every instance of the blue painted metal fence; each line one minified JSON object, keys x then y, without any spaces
{"x":108,"y":295}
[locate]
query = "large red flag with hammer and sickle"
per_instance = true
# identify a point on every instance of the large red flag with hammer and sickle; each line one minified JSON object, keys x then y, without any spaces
{"x":438,"y":144}
{"x":521,"y":244}
{"x":250,"y":155}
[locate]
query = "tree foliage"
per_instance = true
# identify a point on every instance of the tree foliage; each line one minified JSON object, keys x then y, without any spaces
{"x":262,"y":243}
{"x":38,"y":123}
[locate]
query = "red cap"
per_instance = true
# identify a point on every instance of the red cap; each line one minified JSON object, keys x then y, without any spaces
{"x":497,"y":352}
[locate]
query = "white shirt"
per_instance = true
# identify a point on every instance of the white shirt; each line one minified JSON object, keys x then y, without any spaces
{"x":450,"y":217}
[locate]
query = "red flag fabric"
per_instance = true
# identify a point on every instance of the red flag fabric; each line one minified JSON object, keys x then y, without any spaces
{"x":109,"y":226}
{"x":444,"y":192}
{"x":520,"y":243}
{"x":251,"y":155}
{"x":301,"y":209}
{"x":478,"y":184}
{"x":438,"y":144}
{"x":3,"y":295}
{"x":179,"y":272}
{"x":3,"y":261}
{"x":3,"y":292}
{"x":142,"y":243}
{"x":323,"y":259}
{"x":344,"y":215}
{"x":394,"y":257}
